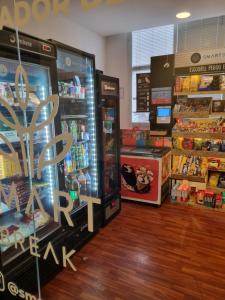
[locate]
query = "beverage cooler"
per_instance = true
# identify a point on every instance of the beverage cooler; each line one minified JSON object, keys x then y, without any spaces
{"x":38,"y":60}
{"x":109,"y":135}
{"x":76,"y":84}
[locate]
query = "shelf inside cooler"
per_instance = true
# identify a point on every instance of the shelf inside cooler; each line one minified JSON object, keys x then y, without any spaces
{"x":81,"y":206}
{"x":11,"y":253}
{"x":72,"y":98}
{"x":66,"y":117}
{"x":76,"y":170}
{"x":23,"y":205}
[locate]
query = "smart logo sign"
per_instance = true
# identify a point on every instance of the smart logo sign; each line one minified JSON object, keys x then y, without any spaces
{"x":205,"y":61}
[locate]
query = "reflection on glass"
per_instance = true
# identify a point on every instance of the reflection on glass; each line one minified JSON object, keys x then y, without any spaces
{"x":109,"y":148}
{"x":19,"y":225}
{"x":77,"y":108}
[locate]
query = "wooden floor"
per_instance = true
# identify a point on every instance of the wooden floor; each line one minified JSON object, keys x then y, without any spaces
{"x":169,"y":253}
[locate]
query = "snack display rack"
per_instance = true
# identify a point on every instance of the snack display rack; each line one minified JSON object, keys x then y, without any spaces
{"x":198,"y":154}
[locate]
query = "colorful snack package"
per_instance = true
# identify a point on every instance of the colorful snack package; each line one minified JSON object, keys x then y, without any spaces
{"x":194,"y":83}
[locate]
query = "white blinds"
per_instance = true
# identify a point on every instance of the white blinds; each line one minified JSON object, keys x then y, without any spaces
{"x":151,"y":42}
{"x":201,"y":34}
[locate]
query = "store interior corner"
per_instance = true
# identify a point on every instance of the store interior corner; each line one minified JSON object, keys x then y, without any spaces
{"x":112,"y":150}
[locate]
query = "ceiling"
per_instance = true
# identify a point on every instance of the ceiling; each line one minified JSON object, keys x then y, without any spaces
{"x":129,"y":15}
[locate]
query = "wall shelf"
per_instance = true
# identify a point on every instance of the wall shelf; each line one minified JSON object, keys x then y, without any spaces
{"x":189,"y":178}
{"x":199,"y":93}
{"x":203,"y":135}
{"x":212,"y":154}
{"x":216,"y":170}
{"x":216,"y":189}
{"x":186,"y":115}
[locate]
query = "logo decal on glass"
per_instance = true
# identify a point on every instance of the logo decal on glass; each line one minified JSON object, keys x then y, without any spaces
{"x":32,"y":166}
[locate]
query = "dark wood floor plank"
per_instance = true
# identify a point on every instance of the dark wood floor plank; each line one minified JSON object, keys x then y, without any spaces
{"x":171,"y":253}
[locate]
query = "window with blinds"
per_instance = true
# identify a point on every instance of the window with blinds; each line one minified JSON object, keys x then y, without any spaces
{"x":146,"y":44}
{"x":201,"y":34}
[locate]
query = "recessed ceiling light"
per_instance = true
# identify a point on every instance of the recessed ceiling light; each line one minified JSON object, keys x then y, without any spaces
{"x":183,"y":15}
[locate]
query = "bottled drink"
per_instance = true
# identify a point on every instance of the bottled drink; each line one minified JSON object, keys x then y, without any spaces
{"x":88,"y":182}
{"x":68,"y":163}
{"x":74,"y":191}
{"x":65,"y":127}
{"x":71,"y":89}
{"x":83,"y":181}
{"x":73,"y":130}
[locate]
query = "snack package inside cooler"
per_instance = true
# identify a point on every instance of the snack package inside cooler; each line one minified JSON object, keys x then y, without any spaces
{"x":72,"y":88}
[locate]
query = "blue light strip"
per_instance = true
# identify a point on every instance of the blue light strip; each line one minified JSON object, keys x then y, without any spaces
{"x":50,"y":174}
{"x":92,"y":129}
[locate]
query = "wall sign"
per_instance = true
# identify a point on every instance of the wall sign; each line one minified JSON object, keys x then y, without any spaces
{"x":200,"y":58}
{"x":161,"y":96}
{"x":206,"y":69}
{"x":38,"y":10}
{"x":92,"y":4}
{"x":143,"y":92}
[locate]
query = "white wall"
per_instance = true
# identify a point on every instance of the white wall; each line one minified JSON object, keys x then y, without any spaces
{"x":118,"y":64}
{"x":63,"y":30}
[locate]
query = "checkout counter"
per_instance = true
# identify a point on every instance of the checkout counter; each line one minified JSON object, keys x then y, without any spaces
{"x":145,"y":174}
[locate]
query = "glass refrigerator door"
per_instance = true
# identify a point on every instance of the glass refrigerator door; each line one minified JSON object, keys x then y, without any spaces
{"x":77,"y":109}
{"x":109,"y":148}
{"x":22,"y":182}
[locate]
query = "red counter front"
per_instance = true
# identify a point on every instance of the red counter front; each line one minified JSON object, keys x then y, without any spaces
{"x":143,"y":177}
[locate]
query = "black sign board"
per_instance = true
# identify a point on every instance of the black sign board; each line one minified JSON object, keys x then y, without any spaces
{"x":143,"y":92}
{"x":162,"y":75}
{"x":162,"y":70}
{"x":27,"y":43}
{"x":109,"y":88}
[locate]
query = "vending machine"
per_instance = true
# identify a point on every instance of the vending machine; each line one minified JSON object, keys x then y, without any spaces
{"x":109,"y":135}
{"x":26,"y":130}
{"x":76,"y":85}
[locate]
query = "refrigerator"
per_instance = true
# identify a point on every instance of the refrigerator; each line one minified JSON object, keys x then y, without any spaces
{"x":109,"y":134}
{"x":76,"y":85}
{"x":39,"y":63}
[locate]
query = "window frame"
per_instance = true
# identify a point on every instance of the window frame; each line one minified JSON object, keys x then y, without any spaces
{"x":145,"y":68}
